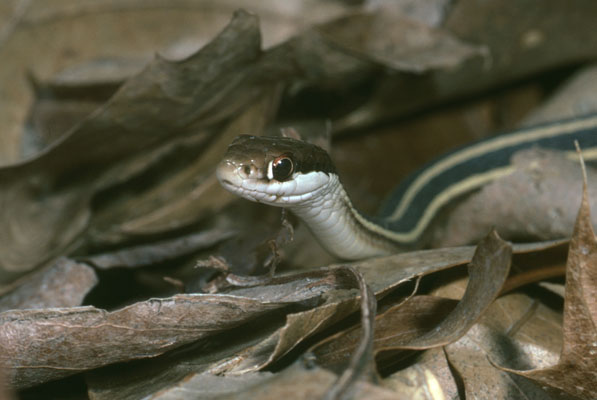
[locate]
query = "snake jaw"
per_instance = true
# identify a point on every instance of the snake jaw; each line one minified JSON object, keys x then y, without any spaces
{"x":250,"y":182}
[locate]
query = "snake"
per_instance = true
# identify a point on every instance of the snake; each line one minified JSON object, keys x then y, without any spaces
{"x":300,"y":176}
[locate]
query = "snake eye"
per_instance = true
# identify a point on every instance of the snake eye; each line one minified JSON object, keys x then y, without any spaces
{"x":282,"y":168}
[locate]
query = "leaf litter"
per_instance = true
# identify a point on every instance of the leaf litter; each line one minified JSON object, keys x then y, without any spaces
{"x":130,"y":186}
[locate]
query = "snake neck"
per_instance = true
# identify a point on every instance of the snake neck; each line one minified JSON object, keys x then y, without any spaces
{"x":340,"y":228}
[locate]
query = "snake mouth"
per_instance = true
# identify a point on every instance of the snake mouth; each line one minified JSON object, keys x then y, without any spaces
{"x":230,"y":175}
{"x":246,"y":179}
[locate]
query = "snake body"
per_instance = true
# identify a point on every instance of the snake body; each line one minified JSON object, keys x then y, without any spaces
{"x":300,"y":176}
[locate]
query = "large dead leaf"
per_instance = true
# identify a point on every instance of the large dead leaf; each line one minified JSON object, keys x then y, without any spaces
{"x":386,"y":273}
{"x":488,"y":271}
{"x":255,"y":350}
{"x":576,"y":370}
{"x":114,"y":40}
{"x":48,"y":197}
{"x":187,"y":192}
{"x":45,"y":344}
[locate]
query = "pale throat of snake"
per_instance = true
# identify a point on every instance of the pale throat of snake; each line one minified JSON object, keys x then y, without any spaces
{"x":300,"y":176}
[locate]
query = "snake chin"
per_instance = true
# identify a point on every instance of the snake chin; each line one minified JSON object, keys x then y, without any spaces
{"x":299,"y":190}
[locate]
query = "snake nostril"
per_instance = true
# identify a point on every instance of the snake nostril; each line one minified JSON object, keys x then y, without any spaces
{"x":247,"y":170}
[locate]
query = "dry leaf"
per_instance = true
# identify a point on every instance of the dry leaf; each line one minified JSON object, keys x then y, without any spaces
{"x":188,"y":191}
{"x":70,"y":340}
{"x":386,"y":273}
{"x":46,"y":200}
{"x":154,"y":253}
{"x":383,"y":274}
{"x":480,"y":378}
{"x":259,"y":347}
{"x":64,"y":284}
{"x":517,"y":330}
{"x":488,"y":271}
{"x":58,"y":108}
{"x":298,"y":326}
{"x":430,"y":378}
{"x":173,"y":369}
{"x":399,"y":324}
{"x":521,"y":41}
{"x":118,"y":39}
{"x":5,"y":390}
{"x":576,"y":370}
{"x":550,"y":186}
{"x":398,"y":42}
{"x":426,"y":322}
{"x":576,"y":96}
{"x":362,"y":365}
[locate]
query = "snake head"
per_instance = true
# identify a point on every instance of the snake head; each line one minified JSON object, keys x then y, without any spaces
{"x":278,"y":171}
